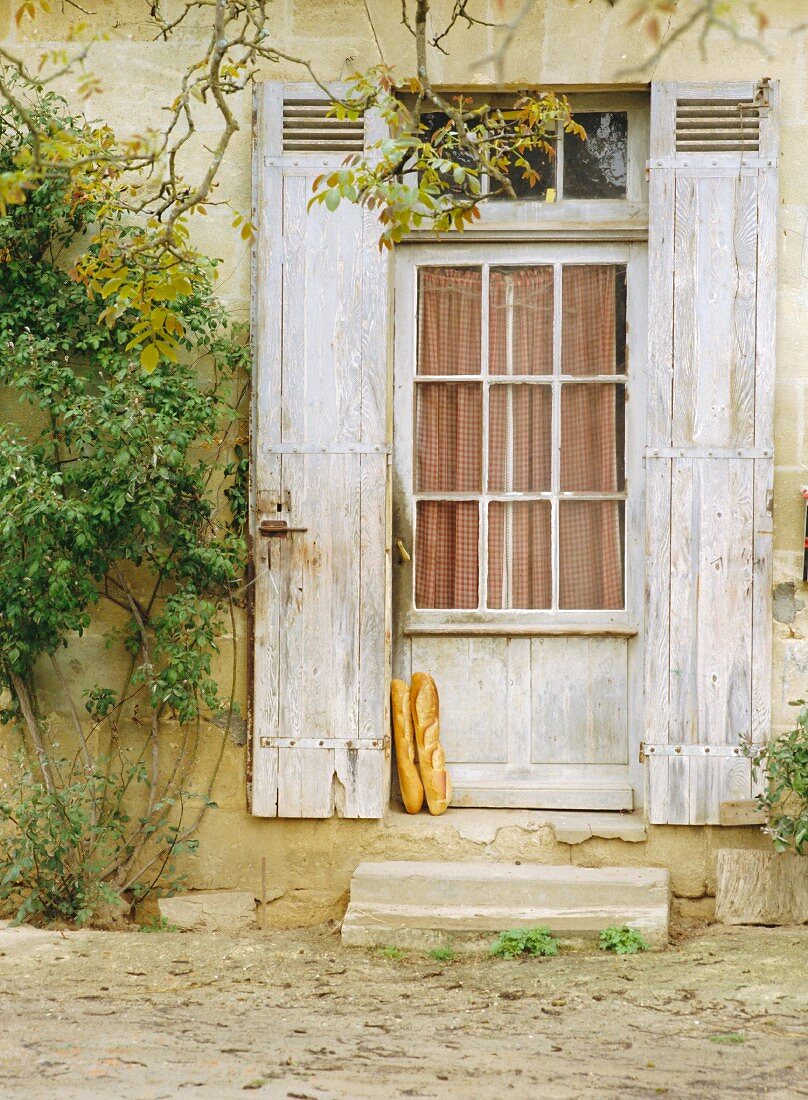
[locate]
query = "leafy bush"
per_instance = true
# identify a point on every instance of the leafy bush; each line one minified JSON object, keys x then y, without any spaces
{"x":525,"y":941}
{"x":783,"y":762}
{"x":622,"y":940}
{"x":122,"y":488}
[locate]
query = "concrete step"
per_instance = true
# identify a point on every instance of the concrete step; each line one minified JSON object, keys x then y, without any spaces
{"x":423,"y":905}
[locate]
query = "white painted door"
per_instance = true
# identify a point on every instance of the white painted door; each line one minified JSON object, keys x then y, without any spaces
{"x":517,"y":513}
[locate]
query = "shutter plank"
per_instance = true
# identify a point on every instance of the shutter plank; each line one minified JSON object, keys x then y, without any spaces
{"x":715,"y":260}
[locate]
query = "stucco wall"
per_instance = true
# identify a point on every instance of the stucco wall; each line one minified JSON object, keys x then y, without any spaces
{"x":561,"y":43}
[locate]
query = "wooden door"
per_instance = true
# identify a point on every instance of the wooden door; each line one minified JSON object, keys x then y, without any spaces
{"x":533,"y":639}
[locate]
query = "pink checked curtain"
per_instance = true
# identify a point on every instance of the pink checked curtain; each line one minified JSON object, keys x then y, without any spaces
{"x":449,"y":440}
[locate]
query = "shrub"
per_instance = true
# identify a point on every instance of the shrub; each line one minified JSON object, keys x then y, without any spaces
{"x":621,"y":940}
{"x":525,"y":941}
{"x":783,"y":763}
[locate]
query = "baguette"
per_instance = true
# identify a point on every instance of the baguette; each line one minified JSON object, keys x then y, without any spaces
{"x":431,"y":757}
{"x":412,"y":789}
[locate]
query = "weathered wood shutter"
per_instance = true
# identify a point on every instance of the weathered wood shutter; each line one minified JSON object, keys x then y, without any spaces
{"x":709,"y":460}
{"x":321,"y":446}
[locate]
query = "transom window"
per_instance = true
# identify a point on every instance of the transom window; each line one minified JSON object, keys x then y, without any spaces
{"x":594,"y":168}
{"x":519,"y":450}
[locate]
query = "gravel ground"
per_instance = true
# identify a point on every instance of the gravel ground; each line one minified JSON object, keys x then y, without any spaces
{"x":294,"y":1015}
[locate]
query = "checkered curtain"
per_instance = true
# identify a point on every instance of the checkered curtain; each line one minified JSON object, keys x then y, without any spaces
{"x":448,"y":452}
{"x":448,"y":438}
{"x":520,"y":437}
{"x":590,"y":548}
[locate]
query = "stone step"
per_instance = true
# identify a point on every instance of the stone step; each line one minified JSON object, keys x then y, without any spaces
{"x":428,"y":904}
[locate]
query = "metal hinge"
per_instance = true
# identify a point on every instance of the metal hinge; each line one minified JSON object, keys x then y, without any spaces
{"x":652,"y":749}
{"x":358,"y":743}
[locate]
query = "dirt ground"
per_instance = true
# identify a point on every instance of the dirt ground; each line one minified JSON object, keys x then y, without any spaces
{"x":293,"y":1015}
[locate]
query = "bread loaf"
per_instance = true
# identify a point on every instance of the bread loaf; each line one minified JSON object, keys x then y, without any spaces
{"x":431,"y":757}
{"x":412,"y":790}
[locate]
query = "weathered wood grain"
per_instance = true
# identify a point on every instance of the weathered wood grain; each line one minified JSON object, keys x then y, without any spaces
{"x":579,"y":701}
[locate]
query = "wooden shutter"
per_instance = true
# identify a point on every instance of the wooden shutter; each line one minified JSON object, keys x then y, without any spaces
{"x":321,"y":609}
{"x":709,"y":460}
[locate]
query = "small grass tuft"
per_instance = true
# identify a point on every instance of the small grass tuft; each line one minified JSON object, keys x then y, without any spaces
{"x":622,"y":940}
{"x":158,"y":924}
{"x":729,"y":1037}
{"x":525,"y":941}
{"x":391,"y":952}
{"x":442,"y":955}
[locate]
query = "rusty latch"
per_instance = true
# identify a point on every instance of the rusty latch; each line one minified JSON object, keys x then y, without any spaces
{"x":277,"y":528}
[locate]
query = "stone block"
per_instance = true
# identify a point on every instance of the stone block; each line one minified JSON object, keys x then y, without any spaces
{"x":211,"y":911}
{"x":416,"y":904}
{"x":761,"y":888}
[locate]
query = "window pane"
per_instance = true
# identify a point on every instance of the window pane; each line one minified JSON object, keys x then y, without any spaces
{"x":592,"y":437}
{"x":446,"y":144}
{"x":593,"y":326}
{"x":446,"y":553}
{"x":449,"y":311}
{"x":525,"y":186}
{"x":596,"y":168}
{"x":519,"y":438}
{"x":521,"y":320}
{"x":448,"y":437}
{"x":519,"y":560}
{"x":590,"y":552}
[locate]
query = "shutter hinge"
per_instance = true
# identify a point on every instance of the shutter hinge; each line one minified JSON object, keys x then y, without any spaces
{"x":651,"y":749}
{"x":359,"y":743}
{"x":762,"y":98}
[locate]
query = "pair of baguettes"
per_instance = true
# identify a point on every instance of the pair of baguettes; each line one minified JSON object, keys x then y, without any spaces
{"x":416,"y":728}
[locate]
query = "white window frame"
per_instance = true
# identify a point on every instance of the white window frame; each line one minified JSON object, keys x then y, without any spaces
{"x":488,"y":254}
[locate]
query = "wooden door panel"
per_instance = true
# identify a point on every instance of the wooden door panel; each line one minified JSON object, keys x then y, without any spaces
{"x":579,"y":701}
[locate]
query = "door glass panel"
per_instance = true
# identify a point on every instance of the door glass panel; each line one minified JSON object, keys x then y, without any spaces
{"x":590,"y":553}
{"x":449,"y":320}
{"x":593,"y":326}
{"x":596,"y":168}
{"x":592,"y":437}
{"x":519,"y":438}
{"x":448,"y":437}
{"x":520,"y":323}
{"x":519,"y":554}
{"x":446,"y":554}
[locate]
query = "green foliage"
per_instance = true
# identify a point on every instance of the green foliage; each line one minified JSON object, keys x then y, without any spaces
{"x":525,"y":941}
{"x":120,"y":486}
{"x":730,"y":1038}
{"x":783,"y":762}
{"x":622,"y":940}
{"x":391,"y":952}
{"x":158,"y":924}
{"x":442,"y":954}
{"x":421,"y":177}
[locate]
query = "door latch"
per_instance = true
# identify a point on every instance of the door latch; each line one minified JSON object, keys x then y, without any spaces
{"x":277,"y":528}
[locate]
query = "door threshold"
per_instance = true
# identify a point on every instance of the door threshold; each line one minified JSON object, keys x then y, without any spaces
{"x":482,"y":825}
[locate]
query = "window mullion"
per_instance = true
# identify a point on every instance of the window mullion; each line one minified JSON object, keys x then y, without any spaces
{"x":482,"y":600}
{"x":555,"y":469}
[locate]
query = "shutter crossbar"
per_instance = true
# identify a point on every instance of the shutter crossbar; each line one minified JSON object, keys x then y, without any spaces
{"x":375,"y":743}
{"x":647,"y":749}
